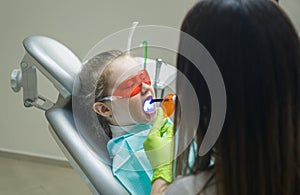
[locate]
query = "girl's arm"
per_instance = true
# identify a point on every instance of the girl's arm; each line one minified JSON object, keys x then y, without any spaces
{"x":159,"y":186}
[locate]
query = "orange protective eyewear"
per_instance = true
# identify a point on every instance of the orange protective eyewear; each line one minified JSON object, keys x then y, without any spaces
{"x":132,"y":85}
{"x":129,"y":87}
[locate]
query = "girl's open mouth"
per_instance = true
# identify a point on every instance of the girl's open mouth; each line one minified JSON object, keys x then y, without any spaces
{"x":149,"y":107}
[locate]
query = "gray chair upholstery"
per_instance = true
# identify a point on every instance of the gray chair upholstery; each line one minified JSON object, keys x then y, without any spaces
{"x":60,"y":66}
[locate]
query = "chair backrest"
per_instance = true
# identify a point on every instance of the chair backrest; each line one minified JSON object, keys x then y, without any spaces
{"x":61,"y":66}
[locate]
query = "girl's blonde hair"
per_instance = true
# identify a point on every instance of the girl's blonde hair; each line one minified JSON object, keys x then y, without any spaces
{"x":94,"y":77}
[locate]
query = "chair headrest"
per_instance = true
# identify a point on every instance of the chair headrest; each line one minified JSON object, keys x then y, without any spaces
{"x":56,"y":61}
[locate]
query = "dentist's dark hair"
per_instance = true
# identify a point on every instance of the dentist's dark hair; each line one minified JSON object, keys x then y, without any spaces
{"x":257,"y":50}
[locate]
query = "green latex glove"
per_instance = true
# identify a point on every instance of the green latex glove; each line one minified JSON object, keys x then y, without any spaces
{"x":159,"y":147}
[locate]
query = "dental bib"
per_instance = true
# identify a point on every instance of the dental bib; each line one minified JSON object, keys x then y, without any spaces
{"x":129,"y":161}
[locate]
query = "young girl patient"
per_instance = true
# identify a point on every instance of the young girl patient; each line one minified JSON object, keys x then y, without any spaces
{"x":121,"y":90}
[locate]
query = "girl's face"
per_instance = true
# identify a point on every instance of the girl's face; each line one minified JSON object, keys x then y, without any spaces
{"x":129,"y":82}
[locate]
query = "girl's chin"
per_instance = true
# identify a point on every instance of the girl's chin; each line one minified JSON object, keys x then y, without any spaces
{"x":151,"y":116}
{"x":146,"y":118}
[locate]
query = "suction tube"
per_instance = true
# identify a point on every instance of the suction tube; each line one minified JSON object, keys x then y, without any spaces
{"x":133,"y":27}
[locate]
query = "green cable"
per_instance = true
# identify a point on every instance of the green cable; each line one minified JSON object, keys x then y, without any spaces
{"x":145,"y":44}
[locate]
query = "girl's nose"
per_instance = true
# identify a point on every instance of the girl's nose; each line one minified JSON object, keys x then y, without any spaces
{"x":145,"y":88}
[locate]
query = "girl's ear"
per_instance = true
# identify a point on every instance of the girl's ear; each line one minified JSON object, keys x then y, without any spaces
{"x":102,"y":109}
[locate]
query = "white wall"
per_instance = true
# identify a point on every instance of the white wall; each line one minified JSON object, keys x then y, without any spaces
{"x":79,"y":25}
{"x":292,"y":8}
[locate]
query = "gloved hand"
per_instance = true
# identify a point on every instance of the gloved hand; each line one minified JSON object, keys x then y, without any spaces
{"x":159,"y":147}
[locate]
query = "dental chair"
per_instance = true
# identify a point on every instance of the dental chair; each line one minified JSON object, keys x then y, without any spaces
{"x":61,"y":66}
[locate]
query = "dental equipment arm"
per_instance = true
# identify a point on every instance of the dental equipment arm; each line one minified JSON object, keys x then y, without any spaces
{"x":54,"y":61}
{"x":157,"y":72}
{"x":60,"y":66}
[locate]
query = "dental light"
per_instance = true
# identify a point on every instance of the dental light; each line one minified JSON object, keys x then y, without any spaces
{"x":167,"y":104}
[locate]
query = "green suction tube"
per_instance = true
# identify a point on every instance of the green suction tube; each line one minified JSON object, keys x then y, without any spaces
{"x":145,"y":45}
